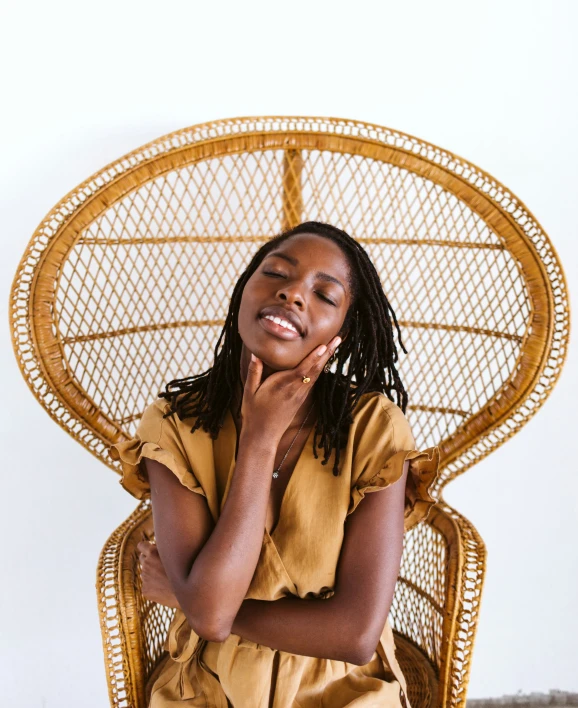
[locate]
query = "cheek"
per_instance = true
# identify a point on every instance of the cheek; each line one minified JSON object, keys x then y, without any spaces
{"x":247,"y":316}
{"x":256,"y":294}
{"x":328,"y":322}
{"x":244,"y":308}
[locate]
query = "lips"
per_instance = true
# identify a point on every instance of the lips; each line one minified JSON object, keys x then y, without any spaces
{"x":283,"y":314}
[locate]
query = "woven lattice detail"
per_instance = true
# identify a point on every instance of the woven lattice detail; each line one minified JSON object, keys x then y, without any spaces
{"x":133,"y":628}
{"x":467,"y":565}
{"x":456,"y":252}
{"x":420,"y":675}
{"x":439,"y":586}
{"x":420,"y":594}
{"x":437,"y":598}
{"x":125,"y":284}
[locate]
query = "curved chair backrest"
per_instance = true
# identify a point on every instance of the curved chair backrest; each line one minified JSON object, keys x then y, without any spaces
{"x":125,"y":284}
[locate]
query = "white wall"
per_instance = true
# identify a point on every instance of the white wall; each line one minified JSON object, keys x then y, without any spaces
{"x":84,"y":83}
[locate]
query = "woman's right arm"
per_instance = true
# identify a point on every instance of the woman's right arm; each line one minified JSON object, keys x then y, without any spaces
{"x":210,"y":566}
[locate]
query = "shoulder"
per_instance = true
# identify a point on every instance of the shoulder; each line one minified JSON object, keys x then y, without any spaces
{"x":160,"y":407}
{"x":161,"y":423}
{"x":378,"y":420}
{"x":153,"y":416}
{"x":376,"y":401}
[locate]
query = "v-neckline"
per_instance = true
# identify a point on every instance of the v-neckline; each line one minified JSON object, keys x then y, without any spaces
{"x":230,"y":431}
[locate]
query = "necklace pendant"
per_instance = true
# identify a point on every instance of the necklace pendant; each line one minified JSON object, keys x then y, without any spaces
{"x":276,"y":472}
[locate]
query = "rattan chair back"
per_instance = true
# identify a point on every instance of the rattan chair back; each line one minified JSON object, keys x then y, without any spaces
{"x":126,"y":282}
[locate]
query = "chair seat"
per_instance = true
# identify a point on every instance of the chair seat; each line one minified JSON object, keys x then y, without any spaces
{"x":420,"y":676}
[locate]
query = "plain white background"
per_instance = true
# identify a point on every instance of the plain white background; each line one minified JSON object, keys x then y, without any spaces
{"x":84,"y":83}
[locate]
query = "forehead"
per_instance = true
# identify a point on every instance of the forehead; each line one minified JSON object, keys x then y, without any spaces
{"x":314,"y":251}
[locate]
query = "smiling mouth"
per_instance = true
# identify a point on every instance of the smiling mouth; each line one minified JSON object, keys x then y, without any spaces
{"x":279,"y":327}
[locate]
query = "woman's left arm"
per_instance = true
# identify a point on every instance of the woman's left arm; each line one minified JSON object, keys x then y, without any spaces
{"x":348,"y":625}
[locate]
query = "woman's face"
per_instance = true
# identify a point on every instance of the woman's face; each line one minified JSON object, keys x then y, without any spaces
{"x":304,"y":283}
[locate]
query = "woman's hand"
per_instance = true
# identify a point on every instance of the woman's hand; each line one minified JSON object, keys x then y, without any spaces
{"x":155,"y":584}
{"x":269,"y":407}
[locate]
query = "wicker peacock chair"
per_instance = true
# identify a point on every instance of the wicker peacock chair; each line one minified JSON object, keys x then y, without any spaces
{"x":125,"y":284}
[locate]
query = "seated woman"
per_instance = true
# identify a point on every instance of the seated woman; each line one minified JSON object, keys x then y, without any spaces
{"x":282,"y":579}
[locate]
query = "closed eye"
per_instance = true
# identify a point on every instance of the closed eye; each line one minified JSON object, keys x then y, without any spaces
{"x":327,"y":299}
{"x":272,"y":274}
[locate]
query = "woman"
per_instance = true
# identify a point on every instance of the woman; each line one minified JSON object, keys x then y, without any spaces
{"x":282,"y":591}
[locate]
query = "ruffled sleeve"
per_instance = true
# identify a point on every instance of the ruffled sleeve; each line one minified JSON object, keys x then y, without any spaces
{"x":384,"y":443}
{"x":158,"y":439}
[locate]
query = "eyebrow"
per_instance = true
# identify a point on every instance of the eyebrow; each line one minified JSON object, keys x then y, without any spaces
{"x":294,"y":262}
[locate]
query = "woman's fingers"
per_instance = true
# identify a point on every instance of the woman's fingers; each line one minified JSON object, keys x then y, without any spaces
{"x":314,"y":362}
{"x":146,"y":549}
{"x":310,"y":367}
{"x":254,"y":373}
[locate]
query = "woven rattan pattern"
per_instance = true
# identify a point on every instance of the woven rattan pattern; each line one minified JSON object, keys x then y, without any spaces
{"x":125,"y":284}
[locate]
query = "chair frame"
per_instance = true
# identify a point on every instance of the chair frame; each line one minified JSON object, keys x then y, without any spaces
{"x":43,"y":364}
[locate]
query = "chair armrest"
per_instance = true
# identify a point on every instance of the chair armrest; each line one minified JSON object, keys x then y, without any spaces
{"x":134,"y":629}
{"x":437,"y":597}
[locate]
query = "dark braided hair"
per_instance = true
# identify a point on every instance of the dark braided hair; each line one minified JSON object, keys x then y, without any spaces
{"x":369,"y":350}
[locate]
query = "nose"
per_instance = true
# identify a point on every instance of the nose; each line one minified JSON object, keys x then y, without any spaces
{"x":291,"y":293}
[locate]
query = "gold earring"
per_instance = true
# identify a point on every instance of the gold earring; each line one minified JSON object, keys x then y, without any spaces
{"x":330,"y":361}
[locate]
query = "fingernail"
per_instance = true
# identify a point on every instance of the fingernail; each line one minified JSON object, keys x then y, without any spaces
{"x":253,"y":358}
{"x":322,"y":349}
{"x":337,"y":342}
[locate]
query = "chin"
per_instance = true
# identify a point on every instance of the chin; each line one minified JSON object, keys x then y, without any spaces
{"x":277,"y":363}
{"x":272,"y":356}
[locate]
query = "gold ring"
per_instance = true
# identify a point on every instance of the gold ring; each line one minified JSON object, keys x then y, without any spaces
{"x":306,"y":379}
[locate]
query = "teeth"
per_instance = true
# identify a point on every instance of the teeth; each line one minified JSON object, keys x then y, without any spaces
{"x":283,"y":323}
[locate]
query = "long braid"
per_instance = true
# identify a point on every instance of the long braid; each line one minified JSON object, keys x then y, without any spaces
{"x":369,"y":351}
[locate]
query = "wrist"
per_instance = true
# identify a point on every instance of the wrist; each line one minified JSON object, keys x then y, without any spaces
{"x":260,"y":443}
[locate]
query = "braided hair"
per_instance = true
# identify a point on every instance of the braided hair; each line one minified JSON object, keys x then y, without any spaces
{"x":369,"y":350}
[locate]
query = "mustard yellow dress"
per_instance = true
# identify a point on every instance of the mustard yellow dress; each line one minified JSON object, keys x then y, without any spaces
{"x":299,"y":558}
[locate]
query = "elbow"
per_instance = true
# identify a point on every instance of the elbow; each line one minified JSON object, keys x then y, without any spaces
{"x":362,"y":649}
{"x":213,"y":634}
{"x":357,"y":644}
{"x":361,"y":654}
{"x":206,"y":625}
{"x":207,"y":629}
{"x":208,"y":622}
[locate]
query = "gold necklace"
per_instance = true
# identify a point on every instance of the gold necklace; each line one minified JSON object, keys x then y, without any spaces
{"x":276,"y":472}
